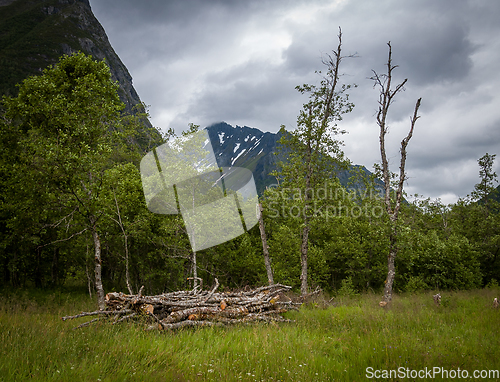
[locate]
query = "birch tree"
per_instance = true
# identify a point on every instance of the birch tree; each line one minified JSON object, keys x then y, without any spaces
{"x":313,"y":147}
{"x":392,"y":204}
{"x":265,"y":247}
{"x":72,"y":131}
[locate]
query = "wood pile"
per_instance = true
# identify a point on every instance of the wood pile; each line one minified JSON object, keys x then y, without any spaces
{"x":196,"y":307}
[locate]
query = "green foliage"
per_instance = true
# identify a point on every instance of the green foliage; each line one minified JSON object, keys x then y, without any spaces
{"x":483,"y":189}
{"x":284,"y":244}
{"x":62,"y":132}
{"x":416,"y":284}
{"x":448,"y":263}
{"x":477,"y":218}
{"x":493,"y":284}
{"x":347,"y":288}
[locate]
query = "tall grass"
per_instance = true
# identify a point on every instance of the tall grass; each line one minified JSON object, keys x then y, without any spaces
{"x":325,"y":343}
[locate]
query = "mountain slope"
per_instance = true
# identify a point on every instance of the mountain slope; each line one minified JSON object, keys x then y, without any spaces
{"x":253,"y":149}
{"x":35,"y":33}
{"x":245,"y":147}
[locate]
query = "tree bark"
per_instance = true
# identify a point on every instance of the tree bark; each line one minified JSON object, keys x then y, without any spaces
{"x":98,"y":264}
{"x":193,"y":254}
{"x":303,"y":259}
{"x":265,"y":248}
{"x":305,"y":232}
{"x":194,"y":269}
{"x":190,"y":308}
{"x":391,"y":269}
{"x":385,"y":100}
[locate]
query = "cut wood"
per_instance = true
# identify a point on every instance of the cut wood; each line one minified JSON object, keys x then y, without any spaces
{"x":196,"y":307}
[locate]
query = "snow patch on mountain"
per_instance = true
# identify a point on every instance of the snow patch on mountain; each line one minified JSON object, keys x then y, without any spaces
{"x":221,"y":138}
{"x":240,"y":154}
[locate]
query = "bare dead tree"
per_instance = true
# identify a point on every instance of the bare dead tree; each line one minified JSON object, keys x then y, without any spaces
{"x":387,"y":94}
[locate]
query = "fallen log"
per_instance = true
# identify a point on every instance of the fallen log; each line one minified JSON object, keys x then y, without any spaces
{"x":196,"y":307}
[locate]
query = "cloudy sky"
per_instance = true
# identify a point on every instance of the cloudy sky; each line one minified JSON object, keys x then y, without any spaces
{"x":205,"y":61}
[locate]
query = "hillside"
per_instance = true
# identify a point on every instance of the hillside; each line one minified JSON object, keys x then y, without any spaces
{"x":34,"y":34}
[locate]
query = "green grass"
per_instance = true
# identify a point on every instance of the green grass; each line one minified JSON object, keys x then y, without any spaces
{"x":325,"y":343}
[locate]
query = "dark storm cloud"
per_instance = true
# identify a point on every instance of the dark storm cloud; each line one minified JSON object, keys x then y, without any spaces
{"x":239,"y":61}
{"x":187,"y":12}
{"x":247,"y":93}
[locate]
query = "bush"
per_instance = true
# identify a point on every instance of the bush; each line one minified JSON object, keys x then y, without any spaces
{"x":347,"y":288}
{"x":415,"y":284}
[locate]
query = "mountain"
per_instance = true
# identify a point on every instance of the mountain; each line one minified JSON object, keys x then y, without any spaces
{"x":255,"y":150}
{"x":495,"y":195}
{"x":35,"y":33}
{"x":245,"y":147}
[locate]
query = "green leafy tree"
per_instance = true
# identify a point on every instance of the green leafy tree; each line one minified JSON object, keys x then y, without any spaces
{"x":486,"y":187}
{"x":477,"y":218}
{"x":70,"y":132}
{"x":126,"y":208}
{"x":428,"y":261}
{"x":313,"y":151}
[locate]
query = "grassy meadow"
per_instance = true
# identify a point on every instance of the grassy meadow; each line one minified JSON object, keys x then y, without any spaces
{"x":325,"y":343}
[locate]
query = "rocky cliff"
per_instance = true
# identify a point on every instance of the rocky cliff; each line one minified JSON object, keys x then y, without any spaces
{"x":35,"y":33}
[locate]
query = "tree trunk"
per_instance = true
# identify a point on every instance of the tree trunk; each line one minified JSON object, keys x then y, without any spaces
{"x":385,"y":100}
{"x":127,"y":272}
{"x":125,"y":239}
{"x":305,"y":232}
{"x":98,"y":265}
{"x":265,"y":248}
{"x":303,"y":259}
{"x":193,"y":255}
{"x":194,"y":269}
{"x":391,"y":269}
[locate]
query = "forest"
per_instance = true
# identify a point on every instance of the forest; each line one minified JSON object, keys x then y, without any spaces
{"x":73,"y":212}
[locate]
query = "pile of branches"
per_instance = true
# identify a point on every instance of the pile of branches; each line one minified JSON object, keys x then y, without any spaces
{"x":196,"y":307}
